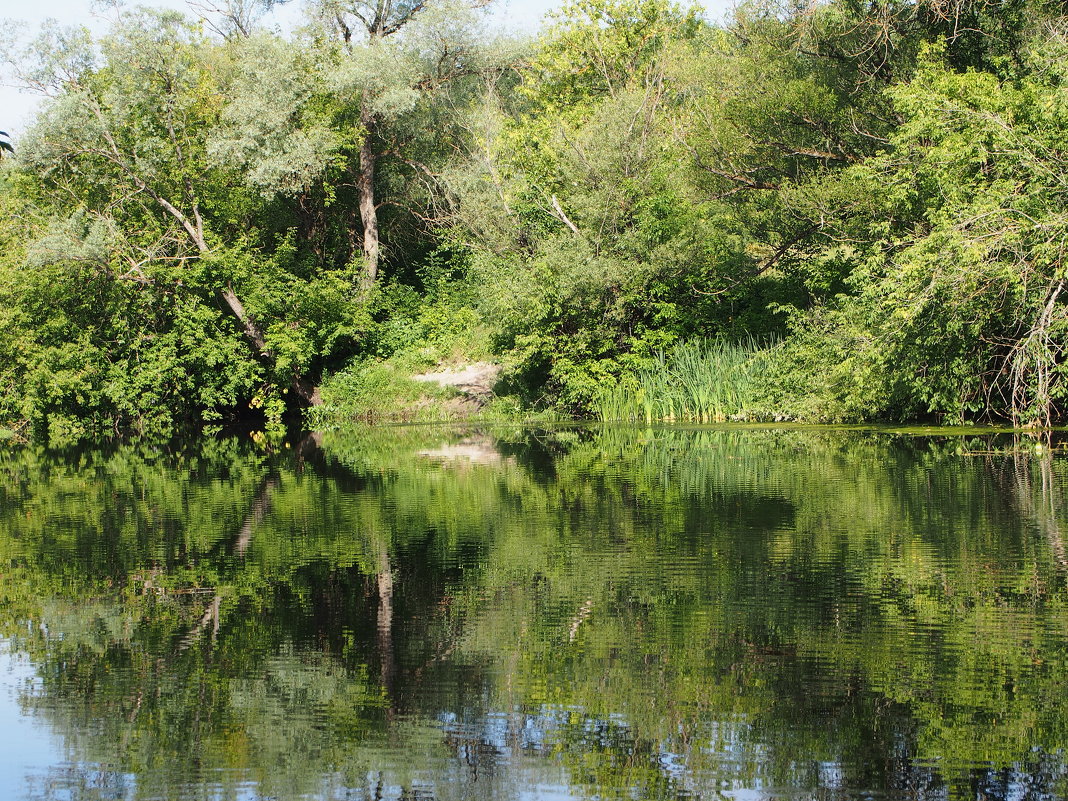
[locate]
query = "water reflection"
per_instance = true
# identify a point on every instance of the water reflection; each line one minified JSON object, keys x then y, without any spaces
{"x":612,"y":613}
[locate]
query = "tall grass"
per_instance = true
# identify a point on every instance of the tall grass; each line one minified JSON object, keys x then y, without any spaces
{"x":702,"y":381}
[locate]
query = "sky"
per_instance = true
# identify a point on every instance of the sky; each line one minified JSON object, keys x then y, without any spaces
{"x":17,"y":108}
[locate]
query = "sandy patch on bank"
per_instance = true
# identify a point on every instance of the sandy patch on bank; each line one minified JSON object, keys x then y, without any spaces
{"x":475,"y":380}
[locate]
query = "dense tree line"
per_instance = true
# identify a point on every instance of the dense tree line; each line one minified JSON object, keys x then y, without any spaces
{"x":870,"y":195}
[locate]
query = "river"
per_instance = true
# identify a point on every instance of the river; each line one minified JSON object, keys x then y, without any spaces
{"x":537,"y":613}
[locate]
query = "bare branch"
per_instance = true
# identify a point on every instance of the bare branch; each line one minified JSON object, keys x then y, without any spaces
{"x":560,"y":215}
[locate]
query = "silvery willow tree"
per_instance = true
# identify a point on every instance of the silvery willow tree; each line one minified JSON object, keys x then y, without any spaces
{"x":121,"y":144}
{"x":369,"y":85}
{"x":391,"y":62}
{"x":179,"y":171}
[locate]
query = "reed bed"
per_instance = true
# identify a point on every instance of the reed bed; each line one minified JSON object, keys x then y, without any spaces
{"x":702,"y":381}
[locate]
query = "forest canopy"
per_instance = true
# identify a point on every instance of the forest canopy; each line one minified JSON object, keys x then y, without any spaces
{"x":829,"y":211}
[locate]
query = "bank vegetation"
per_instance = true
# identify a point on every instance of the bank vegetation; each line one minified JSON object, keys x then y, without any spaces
{"x":831,"y":211}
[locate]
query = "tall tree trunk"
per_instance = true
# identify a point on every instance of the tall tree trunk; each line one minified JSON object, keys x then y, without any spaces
{"x":261,"y":505}
{"x":368,"y":208}
{"x":385,"y":623}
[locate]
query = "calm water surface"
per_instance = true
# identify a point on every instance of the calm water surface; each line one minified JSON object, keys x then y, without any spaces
{"x":531,"y":614}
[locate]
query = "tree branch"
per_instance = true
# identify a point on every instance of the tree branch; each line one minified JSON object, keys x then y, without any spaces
{"x":560,"y":215}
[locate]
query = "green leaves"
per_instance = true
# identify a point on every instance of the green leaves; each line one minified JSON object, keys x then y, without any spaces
{"x":274,"y":127}
{"x":882,"y":183}
{"x":594,"y":49}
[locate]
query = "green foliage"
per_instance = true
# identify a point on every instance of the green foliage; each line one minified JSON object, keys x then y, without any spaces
{"x":592,"y":49}
{"x":957,"y":312}
{"x":275,"y":126}
{"x":414,"y":335}
{"x":379,"y":390}
{"x":899,"y":219}
{"x":702,"y":381}
{"x":186,"y":230}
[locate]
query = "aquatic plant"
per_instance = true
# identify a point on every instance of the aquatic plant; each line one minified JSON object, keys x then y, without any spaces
{"x":701,"y":381}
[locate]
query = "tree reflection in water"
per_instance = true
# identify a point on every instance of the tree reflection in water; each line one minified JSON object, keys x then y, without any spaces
{"x":610,"y":612}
